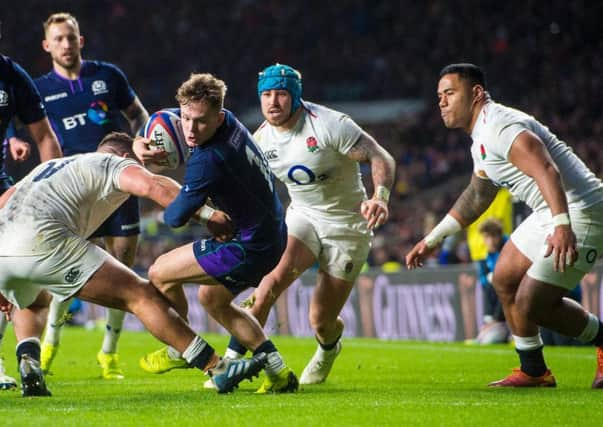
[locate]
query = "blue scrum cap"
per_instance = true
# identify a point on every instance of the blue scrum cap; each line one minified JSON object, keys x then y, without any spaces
{"x":280,"y":76}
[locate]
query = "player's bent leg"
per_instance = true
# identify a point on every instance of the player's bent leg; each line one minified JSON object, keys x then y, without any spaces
{"x":509,"y":273}
{"x":328,"y":299}
{"x":296,"y":259}
{"x":57,"y":316}
{"x":135,"y":294}
{"x":510,"y":270}
{"x":28,"y":324}
{"x":124,"y":249}
{"x":167,"y":274}
{"x":173,"y":268}
{"x":217,"y":300}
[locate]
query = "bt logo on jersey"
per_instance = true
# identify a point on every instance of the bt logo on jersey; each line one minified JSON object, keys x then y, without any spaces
{"x":75,"y":120}
{"x":97,"y":113}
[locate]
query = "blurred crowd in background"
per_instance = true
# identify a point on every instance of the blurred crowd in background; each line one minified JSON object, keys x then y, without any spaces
{"x":541,"y":57}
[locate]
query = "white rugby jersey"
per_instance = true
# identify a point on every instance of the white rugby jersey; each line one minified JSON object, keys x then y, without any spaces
{"x":311,"y":160}
{"x":78,"y":193}
{"x":493,"y":134}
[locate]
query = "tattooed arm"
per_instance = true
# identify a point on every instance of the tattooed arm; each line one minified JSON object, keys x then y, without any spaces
{"x":383,"y":170}
{"x":474,"y":200}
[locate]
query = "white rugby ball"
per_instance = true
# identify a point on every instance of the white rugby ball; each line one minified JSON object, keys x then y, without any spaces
{"x":165,"y":132}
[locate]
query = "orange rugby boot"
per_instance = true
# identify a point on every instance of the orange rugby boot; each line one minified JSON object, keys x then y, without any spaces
{"x":520,"y":379}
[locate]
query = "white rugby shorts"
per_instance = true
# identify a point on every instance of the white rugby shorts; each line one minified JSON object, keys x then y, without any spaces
{"x":340,"y":248}
{"x":530,"y":239}
{"x":62,"y":269}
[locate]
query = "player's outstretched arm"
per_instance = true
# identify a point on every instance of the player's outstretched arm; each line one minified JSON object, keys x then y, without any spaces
{"x":530,"y":156}
{"x":163,"y":190}
{"x":472,"y":202}
{"x":45,"y":138}
{"x":383,"y":170}
{"x":138,"y":181}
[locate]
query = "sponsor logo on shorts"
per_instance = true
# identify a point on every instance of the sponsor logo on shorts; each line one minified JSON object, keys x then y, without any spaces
{"x":349,"y":267}
{"x":591,"y":256}
{"x":126,"y":227}
{"x":72,"y":275}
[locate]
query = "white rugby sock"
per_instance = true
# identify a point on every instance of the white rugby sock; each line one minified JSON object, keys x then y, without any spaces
{"x":173,"y":353}
{"x":231,"y":354}
{"x":194,"y":349}
{"x":528,"y":343}
{"x":56,"y":318}
{"x":115,"y":322}
{"x":274,"y":365}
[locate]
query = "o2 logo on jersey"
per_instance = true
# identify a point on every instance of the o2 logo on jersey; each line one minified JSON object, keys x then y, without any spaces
{"x":303,"y":175}
{"x":97,"y":112}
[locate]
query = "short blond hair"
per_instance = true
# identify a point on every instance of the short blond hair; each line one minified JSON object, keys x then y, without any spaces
{"x":59,"y":18}
{"x":202,"y":87}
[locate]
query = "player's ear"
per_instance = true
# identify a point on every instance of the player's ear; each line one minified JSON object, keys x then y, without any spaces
{"x":45,"y":45}
{"x":478,"y":93}
{"x":81,"y":42}
{"x":221,"y":116}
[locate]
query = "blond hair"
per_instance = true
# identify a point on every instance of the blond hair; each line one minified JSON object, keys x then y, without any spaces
{"x":59,"y":18}
{"x":202,"y":87}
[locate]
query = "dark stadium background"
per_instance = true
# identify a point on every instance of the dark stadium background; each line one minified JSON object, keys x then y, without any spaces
{"x":541,"y":56}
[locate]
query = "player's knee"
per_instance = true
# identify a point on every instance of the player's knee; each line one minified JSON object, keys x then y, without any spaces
{"x":208,"y":298}
{"x":155,"y":274}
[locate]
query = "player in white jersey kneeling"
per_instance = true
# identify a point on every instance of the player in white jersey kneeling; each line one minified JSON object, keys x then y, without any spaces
{"x":315,"y":151}
{"x":47,"y":218}
{"x":553,"y":248}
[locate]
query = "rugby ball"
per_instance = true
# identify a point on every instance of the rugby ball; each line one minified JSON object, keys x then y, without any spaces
{"x":165,"y":132}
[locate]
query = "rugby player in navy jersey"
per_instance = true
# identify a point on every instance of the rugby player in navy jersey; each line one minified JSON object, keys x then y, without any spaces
{"x":227,"y":167}
{"x":20,"y":99}
{"x":85,"y":101}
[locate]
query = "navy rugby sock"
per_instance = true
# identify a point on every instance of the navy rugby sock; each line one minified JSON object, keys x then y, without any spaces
{"x":532,"y":362}
{"x":235,"y":345}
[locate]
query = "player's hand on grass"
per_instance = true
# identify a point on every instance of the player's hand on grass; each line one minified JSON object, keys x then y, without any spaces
{"x":220,"y":226}
{"x":418,"y":254}
{"x":375,"y":211}
{"x":19,"y":149}
{"x":562,"y":244}
{"x":141,"y":148}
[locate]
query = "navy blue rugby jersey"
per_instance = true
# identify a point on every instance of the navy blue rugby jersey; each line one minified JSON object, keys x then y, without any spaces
{"x":232,"y":171}
{"x":83,"y":111}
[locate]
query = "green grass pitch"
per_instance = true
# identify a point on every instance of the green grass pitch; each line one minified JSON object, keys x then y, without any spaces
{"x":374,"y":383}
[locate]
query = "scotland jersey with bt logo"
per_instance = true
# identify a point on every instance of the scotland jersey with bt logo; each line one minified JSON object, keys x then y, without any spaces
{"x":311,"y":160}
{"x":83,"y":111}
